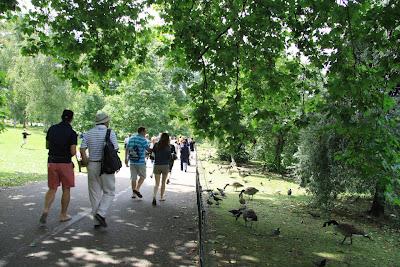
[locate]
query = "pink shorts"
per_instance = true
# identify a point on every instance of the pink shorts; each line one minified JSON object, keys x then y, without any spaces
{"x":60,"y":173}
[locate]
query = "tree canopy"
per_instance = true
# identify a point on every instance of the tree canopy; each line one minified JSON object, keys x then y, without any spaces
{"x":262,"y":75}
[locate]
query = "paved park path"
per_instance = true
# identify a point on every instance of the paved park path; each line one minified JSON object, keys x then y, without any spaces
{"x":138,"y":234}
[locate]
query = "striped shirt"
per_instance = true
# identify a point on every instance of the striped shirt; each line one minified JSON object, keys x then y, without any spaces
{"x":94,"y":140}
{"x":143,"y":145}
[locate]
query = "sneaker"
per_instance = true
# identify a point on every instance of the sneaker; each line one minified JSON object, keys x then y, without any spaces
{"x":137,"y":193}
{"x":43,"y":218}
{"x":101,"y":220}
{"x":168,"y":181}
{"x":154,"y":203}
{"x":133,"y":196}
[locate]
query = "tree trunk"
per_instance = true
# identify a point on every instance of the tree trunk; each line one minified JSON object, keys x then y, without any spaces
{"x":280,"y":142}
{"x":378,"y":205}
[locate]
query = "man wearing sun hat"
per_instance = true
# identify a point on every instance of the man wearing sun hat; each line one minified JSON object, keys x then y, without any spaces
{"x":101,"y":186}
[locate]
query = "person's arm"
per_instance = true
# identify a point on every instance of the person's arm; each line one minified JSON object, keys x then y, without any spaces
{"x":73,"y":150}
{"x":126,"y":156}
{"x":83,"y":151}
{"x":74,"y":142}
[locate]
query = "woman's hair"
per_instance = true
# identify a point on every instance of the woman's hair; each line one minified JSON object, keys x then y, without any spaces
{"x":164,"y":141}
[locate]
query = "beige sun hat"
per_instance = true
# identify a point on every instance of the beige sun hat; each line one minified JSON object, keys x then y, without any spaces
{"x":102,"y":117}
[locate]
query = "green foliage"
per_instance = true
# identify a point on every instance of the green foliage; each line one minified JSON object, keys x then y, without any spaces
{"x":92,"y":40}
{"x":86,"y":107}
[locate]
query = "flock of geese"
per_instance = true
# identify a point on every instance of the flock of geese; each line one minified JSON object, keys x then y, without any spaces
{"x":249,"y":215}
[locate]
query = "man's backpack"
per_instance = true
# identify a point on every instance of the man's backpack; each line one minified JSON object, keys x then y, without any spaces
{"x":110,"y":162}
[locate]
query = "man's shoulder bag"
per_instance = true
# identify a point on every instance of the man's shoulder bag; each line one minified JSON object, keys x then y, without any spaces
{"x":111,"y":162}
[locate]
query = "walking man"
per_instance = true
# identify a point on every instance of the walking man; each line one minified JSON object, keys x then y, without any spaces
{"x":101,"y":186}
{"x":61,"y":141}
{"x":139,"y":144}
{"x":24,"y":137}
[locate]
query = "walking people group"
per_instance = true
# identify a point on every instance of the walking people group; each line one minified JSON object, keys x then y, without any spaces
{"x":61,"y":140}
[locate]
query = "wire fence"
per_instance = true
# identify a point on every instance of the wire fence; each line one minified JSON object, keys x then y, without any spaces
{"x":201,"y":215}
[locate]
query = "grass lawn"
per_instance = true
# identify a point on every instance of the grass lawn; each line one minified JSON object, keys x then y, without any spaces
{"x":21,"y":165}
{"x":28,"y":164}
{"x":302,"y":241}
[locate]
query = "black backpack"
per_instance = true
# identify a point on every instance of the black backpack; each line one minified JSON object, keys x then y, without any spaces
{"x":110,"y":162}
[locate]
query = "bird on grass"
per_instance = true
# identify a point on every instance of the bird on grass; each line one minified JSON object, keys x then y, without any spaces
{"x":244,"y":174}
{"x":276,"y":232}
{"x":249,"y":215}
{"x":289,"y":192}
{"x":237,"y":212}
{"x":347,"y":230}
{"x":236,"y":185}
{"x":250,"y":191}
{"x":222,"y":191}
{"x":211,"y":172}
{"x":209,"y":202}
{"x":321,"y":263}
{"x":241,"y":198}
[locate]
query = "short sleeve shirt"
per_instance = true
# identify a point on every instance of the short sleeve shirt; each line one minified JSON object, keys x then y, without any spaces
{"x":94,"y":140}
{"x":60,"y":138}
{"x":142,"y":144}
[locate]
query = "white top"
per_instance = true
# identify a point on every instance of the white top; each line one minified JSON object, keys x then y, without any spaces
{"x":94,"y":140}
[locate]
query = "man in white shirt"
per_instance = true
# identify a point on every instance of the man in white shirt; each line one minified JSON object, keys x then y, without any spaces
{"x":101,"y":186}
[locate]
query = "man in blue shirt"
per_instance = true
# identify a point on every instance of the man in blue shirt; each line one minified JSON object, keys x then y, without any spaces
{"x":135,"y":152}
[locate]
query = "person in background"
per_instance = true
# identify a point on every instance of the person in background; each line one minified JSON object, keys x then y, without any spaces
{"x":137,"y":166}
{"x":185,"y":154}
{"x":172,"y":161}
{"x":24,"y":137}
{"x":61,"y":141}
{"x":162,"y":159}
{"x":101,"y":186}
{"x":191,"y":144}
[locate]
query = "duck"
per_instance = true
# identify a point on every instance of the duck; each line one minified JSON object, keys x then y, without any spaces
{"x":347,"y":230}
{"x":236,"y":185}
{"x":250,"y":191}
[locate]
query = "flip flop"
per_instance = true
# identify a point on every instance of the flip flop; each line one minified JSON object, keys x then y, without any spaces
{"x":66,"y":219}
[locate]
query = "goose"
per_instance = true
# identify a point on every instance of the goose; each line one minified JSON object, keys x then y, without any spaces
{"x":249,"y":215}
{"x":236,"y":185}
{"x":276,"y":232}
{"x":244,"y":174}
{"x":241,"y":198}
{"x":250,"y":191}
{"x":347,"y":230}
{"x":321,"y":263}
{"x":289,"y":192}
{"x":209,"y":202}
{"x":222,"y":191}
{"x":237,"y":212}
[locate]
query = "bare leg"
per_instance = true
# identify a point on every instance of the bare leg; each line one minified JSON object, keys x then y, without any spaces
{"x":156,"y":185}
{"x":163,"y":181}
{"x":133,"y":184}
{"x":66,"y":195}
{"x":48,"y":200}
{"x":140,"y":182}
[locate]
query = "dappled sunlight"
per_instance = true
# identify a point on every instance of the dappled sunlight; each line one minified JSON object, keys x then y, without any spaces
{"x":42,"y":255}
{"x":92,"y":255}
{"x":329,"y":255}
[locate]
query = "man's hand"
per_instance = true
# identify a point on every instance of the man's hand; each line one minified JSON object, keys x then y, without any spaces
{"x":126,"y":162}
